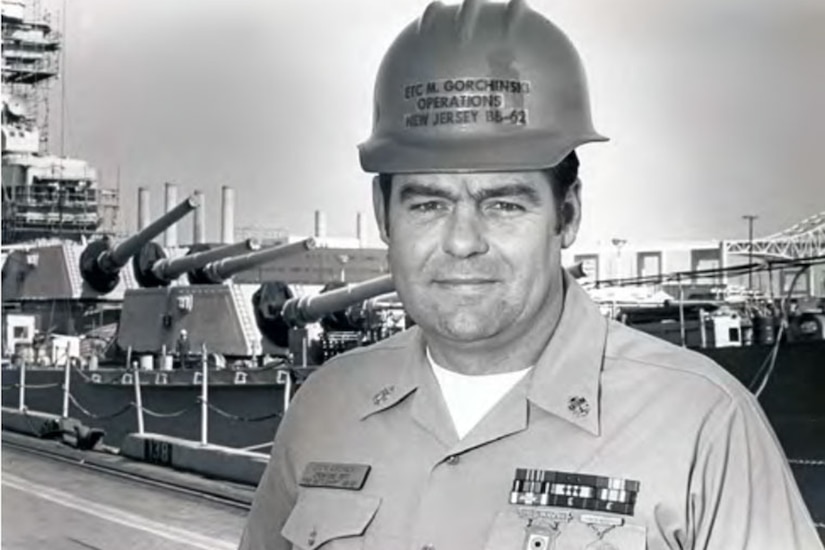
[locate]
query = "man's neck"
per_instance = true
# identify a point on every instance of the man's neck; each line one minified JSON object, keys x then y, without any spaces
{"x":503,"y":352}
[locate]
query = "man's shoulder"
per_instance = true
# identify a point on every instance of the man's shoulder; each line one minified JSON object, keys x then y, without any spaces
{"x":397,"y":344}
{"x":344,"y":387}
{"x":363,"y":366}
{"x":655,"y":359}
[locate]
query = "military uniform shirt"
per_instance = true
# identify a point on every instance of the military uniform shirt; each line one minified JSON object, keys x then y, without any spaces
{"x":602,"y":399}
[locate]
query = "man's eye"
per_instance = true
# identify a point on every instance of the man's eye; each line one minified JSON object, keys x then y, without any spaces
{"x":427,"y":206}
{"x":505,"y":206}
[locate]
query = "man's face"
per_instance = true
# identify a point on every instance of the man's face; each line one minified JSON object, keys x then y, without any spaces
{"x":476,"y":256}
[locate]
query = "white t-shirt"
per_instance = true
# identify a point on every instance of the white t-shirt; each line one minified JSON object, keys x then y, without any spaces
{"x":470,"y":397}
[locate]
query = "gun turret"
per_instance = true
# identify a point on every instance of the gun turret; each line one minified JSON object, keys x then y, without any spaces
{"x":282,"y":318}
{"x":308,"y":309}
{"x":277,"y":311}
{"x":153,"y":268}
{"x":101,"y":262}
{"x":221,"y":270}
{"x":267,"y":303}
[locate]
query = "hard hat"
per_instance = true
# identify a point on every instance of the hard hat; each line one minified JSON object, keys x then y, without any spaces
{"x":478,"y":87}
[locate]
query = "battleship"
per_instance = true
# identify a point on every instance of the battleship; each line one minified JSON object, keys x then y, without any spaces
{"x":77,"y":295}
{"x":210,"y":341}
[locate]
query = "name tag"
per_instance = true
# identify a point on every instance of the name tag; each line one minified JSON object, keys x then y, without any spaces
{"x":335,"y":475}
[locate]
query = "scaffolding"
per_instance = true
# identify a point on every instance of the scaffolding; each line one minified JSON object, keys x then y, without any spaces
{"x":44,"y":196}
{"x":30,"y":61}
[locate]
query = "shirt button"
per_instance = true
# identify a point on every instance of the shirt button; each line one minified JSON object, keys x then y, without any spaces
{"x":452,"y":460}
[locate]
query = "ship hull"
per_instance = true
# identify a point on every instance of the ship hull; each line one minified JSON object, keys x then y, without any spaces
{"x":246,"y":405}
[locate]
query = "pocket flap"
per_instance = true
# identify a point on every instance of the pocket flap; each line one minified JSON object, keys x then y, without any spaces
{"x":321,"y":516}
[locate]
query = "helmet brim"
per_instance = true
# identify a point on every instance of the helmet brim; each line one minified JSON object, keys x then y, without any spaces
{"x":527,"y":150}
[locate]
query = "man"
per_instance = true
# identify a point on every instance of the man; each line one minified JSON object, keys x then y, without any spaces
{"x":184,"y":349}
{"x":513,"y":416}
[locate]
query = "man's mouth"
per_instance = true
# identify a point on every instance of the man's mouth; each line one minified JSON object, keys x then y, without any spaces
{"x":464,"y":281}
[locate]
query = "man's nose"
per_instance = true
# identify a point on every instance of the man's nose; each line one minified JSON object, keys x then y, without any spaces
{"x":465,"y":233}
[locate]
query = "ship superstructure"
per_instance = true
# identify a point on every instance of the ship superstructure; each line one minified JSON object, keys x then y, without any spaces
{"x":44,"y":196}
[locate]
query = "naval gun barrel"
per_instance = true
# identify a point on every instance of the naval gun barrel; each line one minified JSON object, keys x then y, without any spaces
{"x":190,"y":262}
{"x":308,"y":309}
{"x":100,"y":262}
{"x":221,"y":270}
{"x":124,"y":250}
{"x":153,"y":268}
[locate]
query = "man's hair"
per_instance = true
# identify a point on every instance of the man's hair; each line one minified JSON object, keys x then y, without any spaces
{"x":561,"y":178}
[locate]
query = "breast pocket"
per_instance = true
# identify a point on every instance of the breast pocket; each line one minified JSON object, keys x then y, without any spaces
{"x":330,"y":520}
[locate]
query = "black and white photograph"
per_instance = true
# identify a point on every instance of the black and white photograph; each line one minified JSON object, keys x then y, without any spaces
{"x":413,"y":275}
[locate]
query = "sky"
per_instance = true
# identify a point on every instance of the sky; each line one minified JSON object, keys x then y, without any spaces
{"x":715,"y":108}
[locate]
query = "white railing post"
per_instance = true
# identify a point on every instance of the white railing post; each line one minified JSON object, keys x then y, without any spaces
{"x":204,"y":397}
{"x":287,"y":388}
{"x":682,"y":312}
{"x":138,"y":397}
{"x":21,"y":400}
{"x":67,"y":377}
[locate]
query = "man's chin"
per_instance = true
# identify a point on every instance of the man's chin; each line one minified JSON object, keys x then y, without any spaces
{"x":467,"y":330}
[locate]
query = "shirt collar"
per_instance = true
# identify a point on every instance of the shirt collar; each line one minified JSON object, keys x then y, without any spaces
{"x":567,"y":377}
{"x":565,"y":381}
{"x":401,"y":380}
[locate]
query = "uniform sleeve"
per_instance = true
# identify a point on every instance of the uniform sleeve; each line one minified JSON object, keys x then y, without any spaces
{"x":274,"y":497}
{"x":742,"y":493}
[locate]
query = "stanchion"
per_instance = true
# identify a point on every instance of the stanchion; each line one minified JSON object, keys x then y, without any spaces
{"x":682,"y":311}
{"x":21,"y":401}
{"x":67,"y":377}
{"x":204,"y":397}
{"x":287,"y":378}
{"x":138,"y":397}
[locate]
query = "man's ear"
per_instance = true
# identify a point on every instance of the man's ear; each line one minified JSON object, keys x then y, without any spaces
{"x":571,"y":212}
{"x":379,"y":204}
